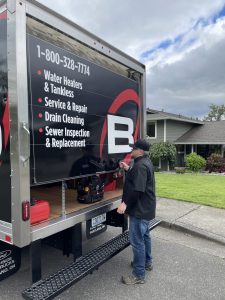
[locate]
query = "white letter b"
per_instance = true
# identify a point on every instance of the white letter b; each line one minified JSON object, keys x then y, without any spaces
{"x":114,"y":134}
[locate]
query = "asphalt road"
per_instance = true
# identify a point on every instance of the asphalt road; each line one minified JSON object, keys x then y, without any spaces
{"x":185,"y":267}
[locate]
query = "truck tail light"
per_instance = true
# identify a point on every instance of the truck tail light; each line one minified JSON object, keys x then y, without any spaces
{"x":8,"y":239}
{"x":25,"y":210}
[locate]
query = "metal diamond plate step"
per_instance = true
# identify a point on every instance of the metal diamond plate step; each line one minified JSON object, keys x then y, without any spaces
{"x":56,"y":283}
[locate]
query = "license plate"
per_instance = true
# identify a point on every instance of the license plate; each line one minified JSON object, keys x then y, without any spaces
{"x":98,"y":220}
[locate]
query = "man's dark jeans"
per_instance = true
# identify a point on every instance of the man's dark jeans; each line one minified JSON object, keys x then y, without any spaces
{"x":141,"y":243}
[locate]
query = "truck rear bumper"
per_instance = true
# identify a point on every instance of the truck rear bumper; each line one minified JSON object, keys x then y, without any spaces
{"x":64,"y":278}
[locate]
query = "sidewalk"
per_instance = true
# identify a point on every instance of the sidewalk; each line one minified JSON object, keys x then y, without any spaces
{"x":200,"y":220}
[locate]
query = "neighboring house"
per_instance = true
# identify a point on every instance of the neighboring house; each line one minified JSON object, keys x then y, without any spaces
{"x":188,"y":134}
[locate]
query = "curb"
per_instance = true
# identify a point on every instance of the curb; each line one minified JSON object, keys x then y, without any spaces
{"x":193,"y":231}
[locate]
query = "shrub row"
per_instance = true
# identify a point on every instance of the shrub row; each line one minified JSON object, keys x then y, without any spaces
{"x":195,"y":163}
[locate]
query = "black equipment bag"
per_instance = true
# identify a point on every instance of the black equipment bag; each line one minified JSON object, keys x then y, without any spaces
{"x":90,"y":189}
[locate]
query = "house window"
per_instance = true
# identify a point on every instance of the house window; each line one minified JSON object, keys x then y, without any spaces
{"x":223,"y":150}
{"x":151,"y":129}
{"x":188,"y":149}
{"x":180,"y":148}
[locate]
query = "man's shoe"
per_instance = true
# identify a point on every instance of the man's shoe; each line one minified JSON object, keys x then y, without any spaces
{"x":147,"y":267}
{"x":132,"y":280}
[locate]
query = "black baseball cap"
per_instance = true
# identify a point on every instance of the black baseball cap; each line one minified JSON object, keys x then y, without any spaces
{"x":141,"y":144}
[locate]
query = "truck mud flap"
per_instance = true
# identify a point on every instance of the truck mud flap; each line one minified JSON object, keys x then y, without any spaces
{"x":10,"y":260}
{"x":56,"y":283}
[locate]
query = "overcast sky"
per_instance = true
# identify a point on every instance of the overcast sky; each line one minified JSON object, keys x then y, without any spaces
{"x":181,"y":42}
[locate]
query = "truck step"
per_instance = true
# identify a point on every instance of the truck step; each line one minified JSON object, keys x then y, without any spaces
{"x":56,"y":283}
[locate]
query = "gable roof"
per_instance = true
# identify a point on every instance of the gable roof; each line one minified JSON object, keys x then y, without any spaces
{"x":210,"y":133}
{"x":154,"y":115}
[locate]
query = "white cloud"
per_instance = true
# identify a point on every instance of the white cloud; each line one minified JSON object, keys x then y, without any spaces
{"x":188,"y":82}
{"x":188,"y":75}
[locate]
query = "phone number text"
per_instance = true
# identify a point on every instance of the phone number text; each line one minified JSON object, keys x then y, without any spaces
{"x":68,"y":63}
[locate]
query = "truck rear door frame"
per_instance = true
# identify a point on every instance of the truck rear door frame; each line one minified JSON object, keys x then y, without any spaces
{"x":22,"y":232}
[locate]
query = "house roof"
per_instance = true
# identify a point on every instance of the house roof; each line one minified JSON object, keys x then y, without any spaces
{"x":154,"y":115}
{"x":210,"y":133}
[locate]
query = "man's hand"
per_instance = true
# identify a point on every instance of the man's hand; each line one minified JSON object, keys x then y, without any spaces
{"x":121,"y":208}
{"x":124,"y":166}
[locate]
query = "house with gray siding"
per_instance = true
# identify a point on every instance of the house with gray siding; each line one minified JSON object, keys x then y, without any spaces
{"x":188,"y":134}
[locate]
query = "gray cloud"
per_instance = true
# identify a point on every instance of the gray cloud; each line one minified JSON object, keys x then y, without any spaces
{"x":188,"y":85}
{"x":191,"y":85}
{"x":130,"y":25}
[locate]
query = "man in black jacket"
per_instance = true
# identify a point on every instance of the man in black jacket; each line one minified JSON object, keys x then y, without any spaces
{"x":139,"y":202}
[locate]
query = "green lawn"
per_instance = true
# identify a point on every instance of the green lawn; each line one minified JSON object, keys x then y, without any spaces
{"x":202,"y":189}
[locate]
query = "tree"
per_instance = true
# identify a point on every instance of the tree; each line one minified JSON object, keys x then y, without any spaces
{"x":164,"y":151}
{"x":216,"y":113}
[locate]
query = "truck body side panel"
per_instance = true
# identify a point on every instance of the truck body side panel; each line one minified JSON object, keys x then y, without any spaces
{"x":5,"y":179}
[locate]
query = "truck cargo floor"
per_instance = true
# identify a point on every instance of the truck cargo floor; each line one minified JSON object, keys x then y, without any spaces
{"x":54,"y":196}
